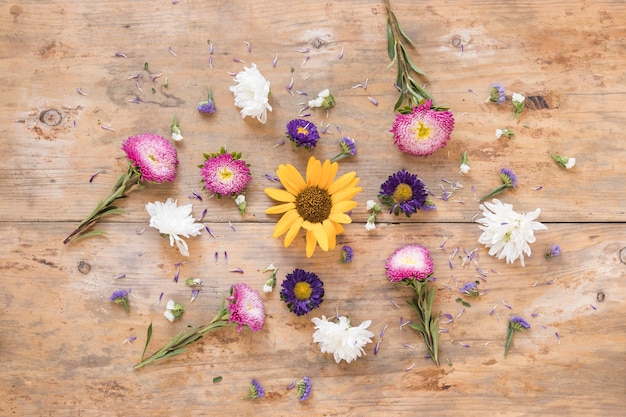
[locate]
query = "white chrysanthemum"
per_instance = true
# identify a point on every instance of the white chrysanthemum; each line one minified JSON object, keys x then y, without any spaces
{"x":506,"y":233}
{"x":173,"y":221}
{"x":340,"y":339}
{"x":252,"y":93}
{"x":570,"y":163}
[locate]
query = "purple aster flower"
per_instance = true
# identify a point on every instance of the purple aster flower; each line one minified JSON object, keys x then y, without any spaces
{"x":302,"y":291}
{"x":404,"y":193}
{"x":509,"y":180}
{"x":120,"y":297}
{"x":496,"y":94}
{"x":153,"y":155}
{"x":410,"y":262}
{"x":553,"y":252}
{"x":304,"y":388}
{"x":246,"y":307}
{"x":470,"y":289}
{"x":225,"y":174}
{"x":348,"y":148}
{"x":207,"y":106}
{"x":302,"y":133}
{"x":423,"y":131}
{"x":256,"y":390}
{"x":516,"y":323}
{"x":346,"y":254}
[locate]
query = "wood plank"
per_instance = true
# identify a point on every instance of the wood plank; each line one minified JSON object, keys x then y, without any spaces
{"x":65,"y":338}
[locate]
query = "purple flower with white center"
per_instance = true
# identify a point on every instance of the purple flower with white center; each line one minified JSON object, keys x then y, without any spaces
{"x":302,"y":291}
{"x":516,"y":323}
{"x":256,"y":390}
{"x":302,"y":133}
{"x":347,"y":254}
{"x":496,"y":94}
{"x":553,"y":252}
{"x":304,"y":388}
{"x":509,"y":180}
{"x":404,"y":193}
{"x":120,"y":297}
{"x":348,"y":148}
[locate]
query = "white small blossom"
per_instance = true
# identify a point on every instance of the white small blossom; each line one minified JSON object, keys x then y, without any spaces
{"x":340,"y":339}
{"x":177,"y":136}
{"x":252,"y":93}
{"x":499,"y":133}
{"x":506,"y":233}
{"x":517,"y":98}
{"x":173,"y":221}
{"x":370,"y":226}
{"x":173,"y":310}
{"x":464,"y":169}
{"x":370,"y":204}
{"x":324,"y":99}
{"x":570,"y":163}
{"x":267,"y":288}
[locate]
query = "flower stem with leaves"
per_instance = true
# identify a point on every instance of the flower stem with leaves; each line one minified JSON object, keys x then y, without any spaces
{"x":427,"y":324}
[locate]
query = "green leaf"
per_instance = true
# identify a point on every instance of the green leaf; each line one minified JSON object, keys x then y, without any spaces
{"x":217,"y":379}
{"x":391,"y":45}
{"x":148,"y":338}
{"x":90,"y":234}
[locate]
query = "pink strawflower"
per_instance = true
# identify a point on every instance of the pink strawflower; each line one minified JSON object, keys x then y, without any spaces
{"x":153,"y":155}
{"x":224,"y":174}
{"x":423,"y":131}
{"x":409,"y":262}
{"x":246,"y":307}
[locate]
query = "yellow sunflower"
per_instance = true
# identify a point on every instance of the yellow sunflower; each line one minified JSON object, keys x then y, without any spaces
{"x":317,"y":204}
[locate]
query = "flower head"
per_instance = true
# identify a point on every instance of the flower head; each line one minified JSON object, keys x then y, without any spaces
{"x":496,"y":94}
{"x":207,"y":106}
{"x":509,"y":180}
{"x":348,"y":148}
{"x":374,"y":208}
{"x":504,"y":132}
{"x":506,"y":233}
{"x":404,"y":193}
{"x":516,"y":323}
{"x":153,"y":155}
{"x":324,"y":100}
{"x":317,"y":204}
{"x":252,"y":93}
{"x":422,"y":131}
{"x":302,"y":133}
{"x":246,"y":307}
{"x":554,"y":251}
{"x":471,"y":289}
{"x":347,"y":254}
{"x":174,"y":222}
{"x":225,"y":174}
{"x":518,"y":101}
{"x":271,"y":281}
{"x":302,"y":291}
{"x":564,"y":161}
{"x":256,"y":390}
{"x":177,"y":135}
{"x":340,"y":338}
{"x":120,"y":297}
{"x":173,"y":310}
{"x":304,"y":388}
{"x":410,"y":262}
{"x":464,"y":168}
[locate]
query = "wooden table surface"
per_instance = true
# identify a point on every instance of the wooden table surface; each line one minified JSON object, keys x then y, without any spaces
{"x":62,"y":340}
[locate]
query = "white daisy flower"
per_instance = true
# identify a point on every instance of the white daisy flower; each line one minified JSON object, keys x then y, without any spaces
{"x":173,"y":310}
{"x":173,"y":221}
{"x":252,"y":93}
{"x":340,"y":339}
{"x":506,"y":233}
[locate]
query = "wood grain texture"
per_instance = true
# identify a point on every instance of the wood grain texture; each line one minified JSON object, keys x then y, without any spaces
{"x":61,"y":339}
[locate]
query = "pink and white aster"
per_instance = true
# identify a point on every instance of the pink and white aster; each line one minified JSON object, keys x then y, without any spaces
{"x":422,"y":131}
{"x":246,"y":307}
{"x":410,"y":262}
{"x":507,"y":233}
{"x":153,"y":155}
{"x":224,"y":174}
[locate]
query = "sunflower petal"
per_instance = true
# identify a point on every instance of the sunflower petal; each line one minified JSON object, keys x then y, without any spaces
{"x":343,"y":206}
{"x":340,"y":218}
{"x":313,"y":171}
{"x":280,"y":208}
{"x":291,"y":178}
{"x":329,"y":170}
{"x":307,"y":225}
{"x":280,"y":195}
{"x":320,"y":235}
{"x":293,"y":231}
{"x":341,"y":182}
{"x":331,"y":233}
{"x":345,"y":195}
{"x":338,"y":228}
{"x":285,"y":222}
{"x":310,"y":243}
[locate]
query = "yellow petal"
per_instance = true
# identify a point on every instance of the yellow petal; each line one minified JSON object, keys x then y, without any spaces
{"x":281,"y":208}
{"x":345,"y":195}
{"x":320,"y":235}
{"x":329,"y":170}
{"x":280,"y":195}
{"x":331,"y":233}
{"x":291,"y":178}
{"x":313,"y":171}
{"x":311,"y":243}
{"x":341,"y":182}
{"x":293,"y":231}
{"x":340,"y":218}
{"x":338,"y":228}
{"x":285,"y":222}
{"x":343,"y":206}
{"x":307,"y":225}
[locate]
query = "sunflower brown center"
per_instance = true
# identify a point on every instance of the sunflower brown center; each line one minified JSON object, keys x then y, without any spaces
{"x":402,"y":193}
{"x":313,"y":204}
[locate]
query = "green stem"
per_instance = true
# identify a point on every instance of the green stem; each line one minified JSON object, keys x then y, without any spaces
{"x":427,"y":326}
{"x":495,"y":192}
{"x":509,"y":338}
